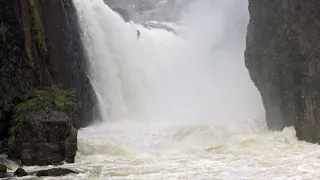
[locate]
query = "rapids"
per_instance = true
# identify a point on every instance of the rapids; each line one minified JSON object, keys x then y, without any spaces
{"x":179,"y":106}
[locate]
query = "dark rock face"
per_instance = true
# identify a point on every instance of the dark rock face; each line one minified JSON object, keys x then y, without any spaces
{"x":42,"y":130}
{"x":282,"y":57}
{"x":3,"y":168}
{"x":20,"y":172}
{"x":50,"y":139}
{"x":55,"y":172}
{"x":67,"y":51}
{"x":40,"y":46}
{"x":3,"y":145}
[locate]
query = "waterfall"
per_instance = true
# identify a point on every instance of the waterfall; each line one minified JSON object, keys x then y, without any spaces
{"x":162,"y":76}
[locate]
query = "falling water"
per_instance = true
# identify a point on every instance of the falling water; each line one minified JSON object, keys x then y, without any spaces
{"x":180,"y":106}
{"x":164,"y":76}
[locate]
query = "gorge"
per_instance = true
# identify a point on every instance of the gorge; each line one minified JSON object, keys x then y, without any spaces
{"x":231,"y":95}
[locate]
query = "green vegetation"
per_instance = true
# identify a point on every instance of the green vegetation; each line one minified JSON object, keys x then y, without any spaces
{"x":38,"y":27}
{"x":47,"y":100}
{"x":65,"y":101}
{"x":27,"y":105}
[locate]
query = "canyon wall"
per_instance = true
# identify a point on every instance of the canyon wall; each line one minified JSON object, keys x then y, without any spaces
{"x":282,"y":56}
{"x":43,"y":78}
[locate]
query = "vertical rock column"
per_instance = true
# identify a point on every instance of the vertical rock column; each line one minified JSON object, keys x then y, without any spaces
{"x":282,"y":57}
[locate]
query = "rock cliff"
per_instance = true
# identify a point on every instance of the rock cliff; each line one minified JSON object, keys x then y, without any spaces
{"x":40,"y":48}
{"x":282,"y":57}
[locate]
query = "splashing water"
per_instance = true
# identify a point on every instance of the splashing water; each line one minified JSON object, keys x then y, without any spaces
{"x":180,"y":107}
{"x":164,"y":76}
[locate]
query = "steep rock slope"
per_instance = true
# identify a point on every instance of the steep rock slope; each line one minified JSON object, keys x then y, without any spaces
{"x":40,"y":47}
{"x":282,"y":57}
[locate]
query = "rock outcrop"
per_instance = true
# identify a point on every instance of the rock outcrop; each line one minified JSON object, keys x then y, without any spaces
{"x":55,"y":172}
{"x":42,"y":130}
{"x":3,"y":170}
{"x":40,"y":46}
{"x":20,"y":172}
{"x":282,"y":57}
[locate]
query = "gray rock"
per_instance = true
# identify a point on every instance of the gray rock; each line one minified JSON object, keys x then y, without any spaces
{"x":55,"y":172}
{"x":20,"y":172}
{"x":3,"y":158}
{"x":44,"y":138}
{"x":3,"y":168}
{"x":282,"y":56}
{"x":2,"y":175}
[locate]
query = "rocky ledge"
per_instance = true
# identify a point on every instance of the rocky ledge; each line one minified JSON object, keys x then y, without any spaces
{"x":41,"y":127}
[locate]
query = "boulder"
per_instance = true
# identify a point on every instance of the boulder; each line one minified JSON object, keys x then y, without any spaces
{"x":43,"y":131}
{"x":2,"y":175}
{"x":20,"y":172}
{"x":55,"y":172}
{"x":3,"y":168}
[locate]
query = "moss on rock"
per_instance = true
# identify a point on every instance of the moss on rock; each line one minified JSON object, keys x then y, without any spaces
{"x":47,"y":100}
{"x":38,"y":27}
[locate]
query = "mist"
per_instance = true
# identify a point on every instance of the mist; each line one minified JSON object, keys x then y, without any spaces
{"x":207,"y":82}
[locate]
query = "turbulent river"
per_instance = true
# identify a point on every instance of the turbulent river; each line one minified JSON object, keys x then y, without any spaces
{"x":179,"y":106}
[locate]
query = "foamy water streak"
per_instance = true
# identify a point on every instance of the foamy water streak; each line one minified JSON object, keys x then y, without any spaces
{"x":113,"y":60}
{"x":176,"y":108}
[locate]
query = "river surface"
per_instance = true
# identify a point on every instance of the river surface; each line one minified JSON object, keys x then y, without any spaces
{"x":156,"y":151}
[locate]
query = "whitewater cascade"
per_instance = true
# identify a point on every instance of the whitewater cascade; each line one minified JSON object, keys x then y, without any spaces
{"x":179,"y":107}
{"x":162,"y":76}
